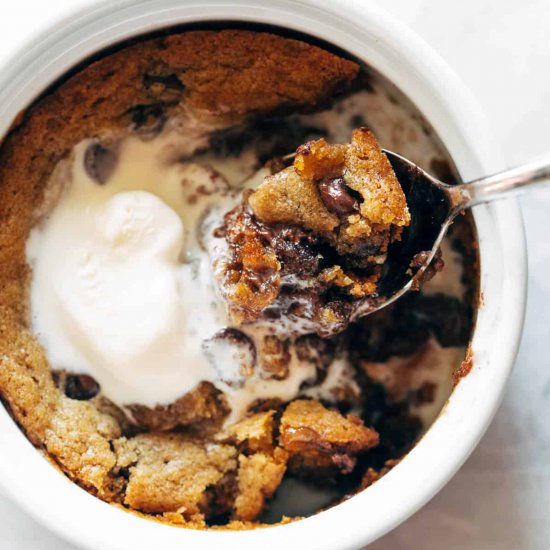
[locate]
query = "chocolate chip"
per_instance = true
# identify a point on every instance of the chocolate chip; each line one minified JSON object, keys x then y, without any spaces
{"x":100,"y":162}
{"x":148,"y":120}
{"x":233,"y":355}
{"x":295,"y":248}
{"x":81,"y":387}
{"x":238,"y":338}
{"x":337,"y":196}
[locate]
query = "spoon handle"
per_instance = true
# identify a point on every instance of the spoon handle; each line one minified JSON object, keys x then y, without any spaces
{"x":504,"y":184}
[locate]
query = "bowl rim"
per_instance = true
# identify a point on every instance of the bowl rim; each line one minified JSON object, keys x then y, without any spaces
{"x":403,"y":58}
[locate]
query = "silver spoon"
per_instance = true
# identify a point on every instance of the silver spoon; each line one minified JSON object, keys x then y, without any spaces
{"x":433,"y":206}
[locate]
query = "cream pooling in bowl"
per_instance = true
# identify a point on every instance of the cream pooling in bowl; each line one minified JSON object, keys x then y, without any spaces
{"x":123,"y":288}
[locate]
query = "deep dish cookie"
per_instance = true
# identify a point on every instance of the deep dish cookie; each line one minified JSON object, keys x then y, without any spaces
{"x":317,"y":409}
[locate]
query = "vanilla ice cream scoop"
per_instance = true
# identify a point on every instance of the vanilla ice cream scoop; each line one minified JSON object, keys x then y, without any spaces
{"x":116,"y":285}
{"x":121,"y":288}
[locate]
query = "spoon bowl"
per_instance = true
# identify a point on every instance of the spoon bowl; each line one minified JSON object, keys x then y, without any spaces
{"x":433,"y":205}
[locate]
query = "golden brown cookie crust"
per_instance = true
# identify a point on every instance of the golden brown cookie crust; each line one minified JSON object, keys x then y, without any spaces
{"x":293,"y":196}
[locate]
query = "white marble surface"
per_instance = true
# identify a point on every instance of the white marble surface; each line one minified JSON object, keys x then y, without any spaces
{"x":500,"y":499}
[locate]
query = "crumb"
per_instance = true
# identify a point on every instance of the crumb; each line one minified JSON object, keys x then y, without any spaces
{"x":259,"y":476}
{"x":465,"y":367}
{"x":317,"y":437}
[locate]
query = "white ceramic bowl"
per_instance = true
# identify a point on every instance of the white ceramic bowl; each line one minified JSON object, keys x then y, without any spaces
{"x":400,"y":56}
